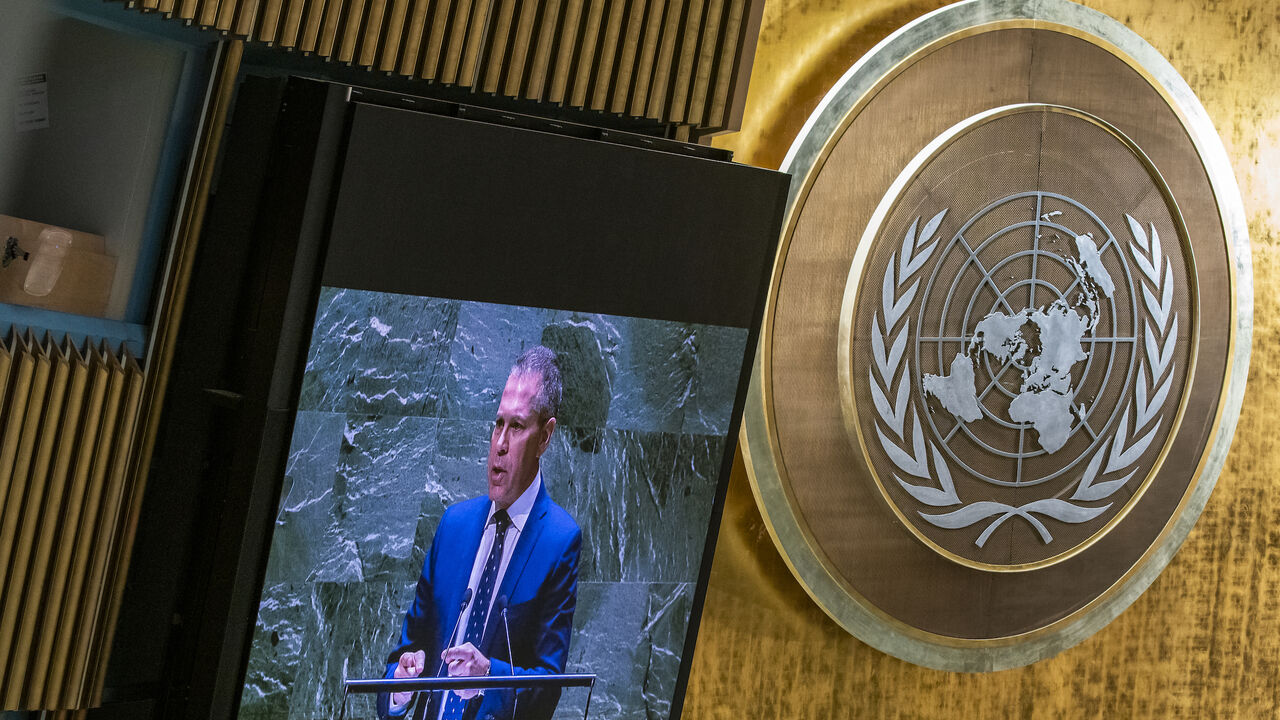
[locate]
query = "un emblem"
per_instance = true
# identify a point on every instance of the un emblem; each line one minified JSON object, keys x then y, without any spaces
{"x":1019,"y":355}
{"x":1006,"y":336}
{"x":1009,"y":396}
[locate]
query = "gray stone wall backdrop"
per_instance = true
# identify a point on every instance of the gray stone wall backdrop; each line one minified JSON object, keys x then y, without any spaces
{"x":393,"y":426}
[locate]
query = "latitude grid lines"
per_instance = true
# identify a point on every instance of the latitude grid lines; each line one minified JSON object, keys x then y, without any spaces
{"x":1033,"y":281}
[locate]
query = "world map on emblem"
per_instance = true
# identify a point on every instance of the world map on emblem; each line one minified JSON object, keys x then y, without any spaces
{"x":1043,"y":354}
{"x":1043,"y":344}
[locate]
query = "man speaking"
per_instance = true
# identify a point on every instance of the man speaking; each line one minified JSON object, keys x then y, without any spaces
{"x":514,"y":552}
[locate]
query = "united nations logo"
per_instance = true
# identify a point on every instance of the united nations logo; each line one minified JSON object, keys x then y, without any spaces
{"x":1006,"y":335}
{"x":1015,"y":354}
{"x":1021,"y":358}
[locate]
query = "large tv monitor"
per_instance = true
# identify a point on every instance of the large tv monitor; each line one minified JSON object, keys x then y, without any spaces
{"x":435,"y":246}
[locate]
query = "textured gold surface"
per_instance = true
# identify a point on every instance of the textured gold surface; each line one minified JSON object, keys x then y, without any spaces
{"x":1204,"y":641}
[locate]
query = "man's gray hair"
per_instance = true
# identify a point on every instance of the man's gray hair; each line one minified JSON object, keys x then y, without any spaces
{"x":542,"y":361}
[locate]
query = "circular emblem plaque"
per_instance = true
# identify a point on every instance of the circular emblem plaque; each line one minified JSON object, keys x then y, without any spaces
{"x":1024,"y":368}
{"x":1007,"y":335}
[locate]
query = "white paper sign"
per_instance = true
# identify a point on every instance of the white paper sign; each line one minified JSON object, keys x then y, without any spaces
{"x":32,"y":110}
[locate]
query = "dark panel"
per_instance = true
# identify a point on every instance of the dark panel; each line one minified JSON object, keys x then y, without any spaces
{"x":472,"y":208}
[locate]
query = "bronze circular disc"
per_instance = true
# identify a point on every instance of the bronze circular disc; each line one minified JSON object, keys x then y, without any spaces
{"x":1007,"y":335}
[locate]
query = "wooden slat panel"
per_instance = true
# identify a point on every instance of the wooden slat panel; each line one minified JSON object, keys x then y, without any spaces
{"x":269,"y":23}
{"x":18,"y":392}
{"x":568,"y":43}
{"x":626,"y":65}
{"x":208,"y":13}
{"x":128,"y":503}
{"x":457,"y":37}
{"x":608,"y":54}
{"x":71,"y":562}
{"x":434,"y":55}
{"x":682,"y":70}
{"x":371,"y":33}
{"x":34,"y":387}
{"x":227,"y":14}
{"x":314,"y":21}
{"x":530,"y":11}
{"x":415,"y":37}
{"x":47,"y":525}
{"x":499,"y":43}
{"x":709,"y":48}
{"x":187,"y":10}
{"x":26,"y":523}
{"x":8,"y":446}
{"x":397,"y":20}
{"x":717,"y":109}
{"x":92,"y":644}
{"x":166,"y":7}
{"x":473,"y":42}
{"x":329,"y":29}
{"x":291,"y":28}
{"x":665,"y":62}
{"x":246,"y":17}
{"x":350,"y":34}
{"x":588,"y":41}
{"x":648,"y":52}
{"x":93,"y":548}
{"x":544,"y":52}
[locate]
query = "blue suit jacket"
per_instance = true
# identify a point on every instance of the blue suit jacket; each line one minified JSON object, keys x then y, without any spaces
{"x":541,"y":584}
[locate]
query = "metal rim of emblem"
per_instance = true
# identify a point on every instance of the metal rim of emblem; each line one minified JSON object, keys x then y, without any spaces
{"x":766,"y":466}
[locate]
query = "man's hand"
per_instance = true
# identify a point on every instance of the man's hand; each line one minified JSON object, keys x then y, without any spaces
{"x":465,"y":661}
{"x":411,"y":664}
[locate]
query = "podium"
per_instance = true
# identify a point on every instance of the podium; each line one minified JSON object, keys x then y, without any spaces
{"x":486,"y":682}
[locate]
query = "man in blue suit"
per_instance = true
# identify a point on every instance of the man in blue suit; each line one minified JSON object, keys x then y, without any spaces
{"x":514,"y":550}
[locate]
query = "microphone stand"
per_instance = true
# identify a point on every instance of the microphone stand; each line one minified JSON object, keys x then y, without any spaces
{"x":511,"y":660}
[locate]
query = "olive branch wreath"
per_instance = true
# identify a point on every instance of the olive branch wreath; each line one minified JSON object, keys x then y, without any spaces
{"x":1126,"y":446}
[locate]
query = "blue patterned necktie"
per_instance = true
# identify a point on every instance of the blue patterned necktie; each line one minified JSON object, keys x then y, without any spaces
{"x":454,"y":705}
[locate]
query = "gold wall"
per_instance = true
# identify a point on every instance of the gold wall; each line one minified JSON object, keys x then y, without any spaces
{"x":1204,"y":640}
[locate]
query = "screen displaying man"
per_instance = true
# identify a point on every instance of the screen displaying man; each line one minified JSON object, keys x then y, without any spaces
{"x":514,"y":550}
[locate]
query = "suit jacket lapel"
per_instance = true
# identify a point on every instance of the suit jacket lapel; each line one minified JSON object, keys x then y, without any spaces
{"x":473,"y":532}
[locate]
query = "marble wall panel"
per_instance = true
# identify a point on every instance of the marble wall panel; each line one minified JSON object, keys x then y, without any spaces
{"x":354,"y":624}
{"x":608,"y":629}
{"x":666,"y":622}
{"x":307,"y":543}
{"x":488,"y":339}
{"x":380,"y":478}
{"x":644,"y":504}
{"x":285,"y":623}
{"x":567,"y":471}
{"x":713,"y":383}
{"x":631,"y":635}
{"x":379,"y":353}
{"x":671,"y":377}
{"x":586,"y":397}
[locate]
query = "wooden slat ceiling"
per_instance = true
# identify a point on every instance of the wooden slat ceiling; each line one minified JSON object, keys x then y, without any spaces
{"x":681,"y":63}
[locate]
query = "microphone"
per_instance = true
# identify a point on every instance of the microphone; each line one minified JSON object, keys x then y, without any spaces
{"x":511,"y":660}
{"x":466,"y":600}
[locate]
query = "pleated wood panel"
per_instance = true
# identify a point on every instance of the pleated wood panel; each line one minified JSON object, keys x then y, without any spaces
{"x":680,"y":62}
{"x":67,"y":415}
